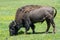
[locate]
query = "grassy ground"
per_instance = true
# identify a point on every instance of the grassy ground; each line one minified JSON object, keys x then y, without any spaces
{"x":7,"y":13}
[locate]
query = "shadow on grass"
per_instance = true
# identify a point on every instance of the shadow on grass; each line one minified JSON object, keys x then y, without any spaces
{"x":21,"y":32}
{"x":29,"y":33}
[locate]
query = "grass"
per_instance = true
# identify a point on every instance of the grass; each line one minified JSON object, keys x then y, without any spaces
{"x":7,"y":13}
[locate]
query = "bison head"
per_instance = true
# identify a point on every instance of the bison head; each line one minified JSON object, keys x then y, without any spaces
{"x":12,"y":28}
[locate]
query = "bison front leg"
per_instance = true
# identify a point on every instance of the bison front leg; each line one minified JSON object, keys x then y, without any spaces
{"x":53,"y":25}
{"x":33,"y":27}
{"x":48,"y":25}
{"x":27,"y":26}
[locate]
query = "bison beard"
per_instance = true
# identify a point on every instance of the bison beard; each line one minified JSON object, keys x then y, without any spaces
{"x":20,"y":17}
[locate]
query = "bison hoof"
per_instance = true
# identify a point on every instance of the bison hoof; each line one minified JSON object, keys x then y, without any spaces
{"x":53,"y":32}
{"x":33,"y":32}
{"x":46,"y":32}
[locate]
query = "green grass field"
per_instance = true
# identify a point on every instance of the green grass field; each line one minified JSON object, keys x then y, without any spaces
{"x":7,"y":13}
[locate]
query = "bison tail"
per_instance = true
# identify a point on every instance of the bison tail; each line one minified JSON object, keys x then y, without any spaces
{"x":55,"y":12}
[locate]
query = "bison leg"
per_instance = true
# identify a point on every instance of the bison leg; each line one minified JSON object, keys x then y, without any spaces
{"x":27,"y":26}
{"x":33,"y":28}
{"x":48,"y":25}
{"x":53,"y":25}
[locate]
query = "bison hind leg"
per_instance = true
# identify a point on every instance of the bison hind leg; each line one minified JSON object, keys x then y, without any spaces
{"x":53,"y":25}
{"x":48,"y":25}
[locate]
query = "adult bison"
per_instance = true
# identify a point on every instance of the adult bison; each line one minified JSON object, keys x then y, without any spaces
{"x":20,"y":18}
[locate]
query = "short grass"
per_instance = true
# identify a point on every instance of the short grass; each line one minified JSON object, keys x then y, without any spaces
{"x":7,"y":14}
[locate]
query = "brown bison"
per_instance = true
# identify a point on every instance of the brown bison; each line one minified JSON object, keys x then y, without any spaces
{"x":30,"y":14}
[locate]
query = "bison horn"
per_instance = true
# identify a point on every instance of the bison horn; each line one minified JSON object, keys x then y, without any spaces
{"x":14,"y":23}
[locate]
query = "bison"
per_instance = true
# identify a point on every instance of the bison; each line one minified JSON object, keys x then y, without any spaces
{"x":28,"y":10}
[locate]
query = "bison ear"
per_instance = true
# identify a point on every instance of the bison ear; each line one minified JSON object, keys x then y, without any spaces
{"x":14,"y":23}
